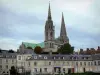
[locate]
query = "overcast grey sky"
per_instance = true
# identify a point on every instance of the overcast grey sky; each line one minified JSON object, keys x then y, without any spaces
{"x":24,"y":20}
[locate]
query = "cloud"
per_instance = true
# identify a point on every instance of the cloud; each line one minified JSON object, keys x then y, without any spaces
{"x":25,"y":20}
{"x":9,"y":43}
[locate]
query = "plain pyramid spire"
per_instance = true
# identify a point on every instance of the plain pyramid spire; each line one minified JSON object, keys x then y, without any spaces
{"x":63,"y":34}
{"x":49,"y":12}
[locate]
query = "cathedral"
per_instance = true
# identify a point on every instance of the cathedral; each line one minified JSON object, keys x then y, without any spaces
{"x":50,"y":44}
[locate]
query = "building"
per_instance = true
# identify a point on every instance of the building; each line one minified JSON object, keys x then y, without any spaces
{"x":90,"y":51}
{"x":50,"y":44}
{"x":6,"y":61}
{"x":55,"y":64}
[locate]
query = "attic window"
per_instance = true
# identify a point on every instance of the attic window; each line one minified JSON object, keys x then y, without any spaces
{"x":40,"y":56}
{"x":53,"y":57}
{"x":28,"y":57}
{"x":63,"y":57}
{"x":35,"y":57}
{"x":45,"y":57}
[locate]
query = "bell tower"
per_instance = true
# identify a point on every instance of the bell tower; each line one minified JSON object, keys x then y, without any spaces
{"x":63,"y":34}
{"x":49,"y":31}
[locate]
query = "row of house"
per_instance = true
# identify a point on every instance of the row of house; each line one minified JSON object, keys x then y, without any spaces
{"x":90,"y":51}
{"x":49,"y":64}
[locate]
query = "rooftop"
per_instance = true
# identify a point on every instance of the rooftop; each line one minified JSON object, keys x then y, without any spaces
{"x":33,"y":45}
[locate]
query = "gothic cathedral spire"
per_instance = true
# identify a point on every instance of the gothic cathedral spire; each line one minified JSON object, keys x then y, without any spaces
{"x":49,"y":31}
{"x":63,"y":34}
{"x":49,"y":12}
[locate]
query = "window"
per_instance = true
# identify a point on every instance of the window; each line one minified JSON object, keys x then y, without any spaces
{"x":12,"y":61}
{"x":6,"y":66}
{"x":40,"y":70}
{"x":0,"y":66}
{"x":81,"y":63}
{"x":19,"y":58}
{"x":88,"y":63}
{"x":45,"y":57}
{"x":6,"y":60}
{"x":0,"y":61}
{"x":53,"y":57}
{"x":82,"y":57}
{"x":35,"y":69}
{"x":85,"y":63}
{"x":29,"y":64}
{"x":35,"y":57}
{"x":86,"y":57}
{"x":95,"y":63}
{"x":76,"y":63}
{"x":35,"y":63}
{"x":64,"y":69}
{"x":98,"y":62}
{"x":49,"y":63}
{"x":45,"y":69}
{"x":67,"y":63}
{"x":3,"y":71}
{"x":63,"y":57}
{"x":52,"y":45}
{"x":63,"y":62}
{"x":91,"y":63}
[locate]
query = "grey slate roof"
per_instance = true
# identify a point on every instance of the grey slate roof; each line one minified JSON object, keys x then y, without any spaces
{"x":62,"y":57}
{"x":8,"y":55}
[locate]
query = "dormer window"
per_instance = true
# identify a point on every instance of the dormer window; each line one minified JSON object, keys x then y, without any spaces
{"x":28,"y":57}
{"x":59,"y":57}
{"x":40,"y":56}
{"x":45,"y":57}
{"x":53,"y":57}
{"x":35,"y":57}
{"x":82,"y":57}
{"x":86,"y":57}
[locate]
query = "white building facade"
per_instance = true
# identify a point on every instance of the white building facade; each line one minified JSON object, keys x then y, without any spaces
{"x":55,"y":64}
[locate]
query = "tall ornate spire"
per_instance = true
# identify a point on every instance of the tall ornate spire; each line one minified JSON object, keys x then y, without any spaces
{"x":49,"y":12}
{"x":63,"y":34}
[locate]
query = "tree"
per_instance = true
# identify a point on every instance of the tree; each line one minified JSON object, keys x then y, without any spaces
{"x":29,"y":47}
{"x":11,"y":51}
{"x":13,"y":71}
{"x":38,"y":50}
{"x":66,"y":49}
{"x":0,"y":51}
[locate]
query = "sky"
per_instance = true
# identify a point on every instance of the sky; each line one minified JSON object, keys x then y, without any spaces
{"x":24,"y":21}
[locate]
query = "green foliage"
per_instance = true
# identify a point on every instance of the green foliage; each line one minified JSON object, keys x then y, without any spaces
{"x":11,"y":51}
{"x":0,"y":51}
{"x":38,"y":50}
{"x":29,"y":47}
{"x":13,"y":71}
{"x":66,"y":49}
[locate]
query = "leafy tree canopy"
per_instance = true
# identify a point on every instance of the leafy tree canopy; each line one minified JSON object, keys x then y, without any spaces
{"x":11,"y":51}
{"x":66,"y":49}
{"x":29,"y":47}
{"x":38,"y":50}
{"x":0,"y":51}
{"x":13,"y":71}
